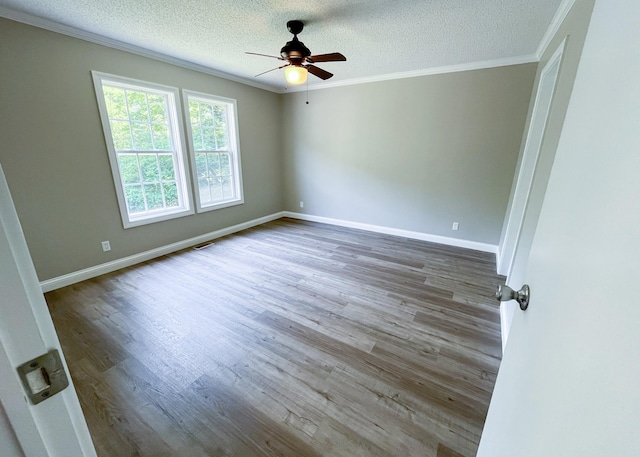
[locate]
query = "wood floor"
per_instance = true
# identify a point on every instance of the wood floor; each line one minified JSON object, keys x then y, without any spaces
{"x":288,"y":339}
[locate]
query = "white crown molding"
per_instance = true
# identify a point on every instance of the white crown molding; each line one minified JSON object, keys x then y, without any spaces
{"x":425,"y":72}
{"x":116,"y":44}
{"x":558,"y":19}
{"x":52,"y":26}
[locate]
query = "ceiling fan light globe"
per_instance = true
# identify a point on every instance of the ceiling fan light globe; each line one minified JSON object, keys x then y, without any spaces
{"x":295,"y":75}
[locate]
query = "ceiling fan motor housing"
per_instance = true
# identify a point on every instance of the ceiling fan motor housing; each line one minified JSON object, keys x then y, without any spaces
{"x":295,"y":50}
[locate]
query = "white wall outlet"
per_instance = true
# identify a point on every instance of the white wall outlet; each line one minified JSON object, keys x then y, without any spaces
{"x":301,"y":204}
{"x":106,"y":246}
{"x":455,"y":226}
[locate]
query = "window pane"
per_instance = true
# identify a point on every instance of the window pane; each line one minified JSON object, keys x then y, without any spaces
{"x":157,"y":109}
{"x":208,"y":139}
{"x":206,"y":115}
{"x":149,"y":168}
{"x":201,"y":164}
{"x":161,"y":137}
{"x":121,"y":133}
{"x":213,"y":165}
{"x":194,"y":115}
{"x":227,"y":187}
{"x":220,"y":114}
{"x":129,"y":170}
{"x":135,"y":200}
{"x":153,"y":192}
{"x":203,"y":188}
{"x":221,"y":140}
{"x":138,"y":110}
{"x":171,"y":194}
{"x":216,"y":191}
{"x":225,"y":165}
{"x":167,"y":171}
{"x":141,"y":137}
{"x":197,"y":139}
{"x":116,"y":106}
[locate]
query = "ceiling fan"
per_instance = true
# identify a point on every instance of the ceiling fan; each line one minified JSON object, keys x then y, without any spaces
{"x":299,"y":59}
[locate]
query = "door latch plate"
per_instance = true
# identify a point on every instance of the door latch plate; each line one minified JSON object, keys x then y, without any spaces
{"x":43,"y":377}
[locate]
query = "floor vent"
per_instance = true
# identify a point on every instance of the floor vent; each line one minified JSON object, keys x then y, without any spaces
{"x":203,"y":246}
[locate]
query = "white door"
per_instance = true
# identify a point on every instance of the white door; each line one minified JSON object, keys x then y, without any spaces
{"x":55,"y":427}
{"x":569,"y":383}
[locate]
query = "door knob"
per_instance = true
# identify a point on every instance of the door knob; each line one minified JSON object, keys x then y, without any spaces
{"x":506,"y":293}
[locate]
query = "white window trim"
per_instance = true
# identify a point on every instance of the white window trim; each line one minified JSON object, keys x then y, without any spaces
{"x":234,"y":148}
{"x":179,"y":143}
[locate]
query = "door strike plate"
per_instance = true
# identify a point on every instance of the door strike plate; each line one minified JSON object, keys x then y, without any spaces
{"x":43,"y":377}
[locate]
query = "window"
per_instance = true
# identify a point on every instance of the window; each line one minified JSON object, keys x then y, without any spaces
{"x":146,"y":149}
{"x":215,"y":155}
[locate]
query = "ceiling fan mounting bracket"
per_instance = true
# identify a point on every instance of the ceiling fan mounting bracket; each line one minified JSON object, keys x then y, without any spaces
{"x":295,"y":26}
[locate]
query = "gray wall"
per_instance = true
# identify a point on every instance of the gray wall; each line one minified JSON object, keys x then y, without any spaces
{"x":574,"y":28}
{"x":414,"y":154}
{"x":55,"y":159}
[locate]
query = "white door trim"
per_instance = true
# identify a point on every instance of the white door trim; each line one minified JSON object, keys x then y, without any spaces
{"x":526,"y":173}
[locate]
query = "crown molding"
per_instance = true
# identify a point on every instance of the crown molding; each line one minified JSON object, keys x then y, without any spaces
{"x":425,"y":72}
{"x":56,"y":27}
{"x":558,"y":19}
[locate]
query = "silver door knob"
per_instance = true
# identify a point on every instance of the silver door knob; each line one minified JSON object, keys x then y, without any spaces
{"x":506,"y":293}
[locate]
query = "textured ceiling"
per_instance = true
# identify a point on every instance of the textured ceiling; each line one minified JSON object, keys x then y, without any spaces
{"x":378,"y":37}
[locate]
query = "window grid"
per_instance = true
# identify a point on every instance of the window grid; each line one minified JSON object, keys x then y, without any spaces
{"x":143,"y":183}
{"x":215,"y":164}
{"x":146,"y":148}
{"x":219,"y":184}
{"x":144,"y":195}
{"x":153,"y":128}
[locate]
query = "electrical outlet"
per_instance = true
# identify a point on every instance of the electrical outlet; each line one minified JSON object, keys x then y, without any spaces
{"x":455,"y":226}
{"x":301,"y":204}
{"x":106,"y":246}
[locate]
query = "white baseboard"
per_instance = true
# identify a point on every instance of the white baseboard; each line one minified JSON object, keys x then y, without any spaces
{"x":397,"y":232}
{"x":92,"y":272}
{"x":507,"y":313}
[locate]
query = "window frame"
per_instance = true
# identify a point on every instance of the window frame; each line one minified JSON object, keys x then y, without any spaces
{"x":179,"y":150}
{"x":233,"y":148}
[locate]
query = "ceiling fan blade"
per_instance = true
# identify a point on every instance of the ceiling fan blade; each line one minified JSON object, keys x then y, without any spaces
{"x":277,"y":68}
{"x":332,"y":57}
{"x":264,"y":55}
{"x":319,"y":72}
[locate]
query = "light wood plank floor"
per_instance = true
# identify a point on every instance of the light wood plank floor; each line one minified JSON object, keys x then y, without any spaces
{"x":288,"y":339}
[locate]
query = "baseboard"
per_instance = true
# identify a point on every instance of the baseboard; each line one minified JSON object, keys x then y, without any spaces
{"x":397,"y":232}
{"x":507,"y":313}
{"x":92,"y":272}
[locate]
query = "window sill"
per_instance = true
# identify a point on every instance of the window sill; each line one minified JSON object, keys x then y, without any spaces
{"x":225,"y":204}
{"x":165,"y":216}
